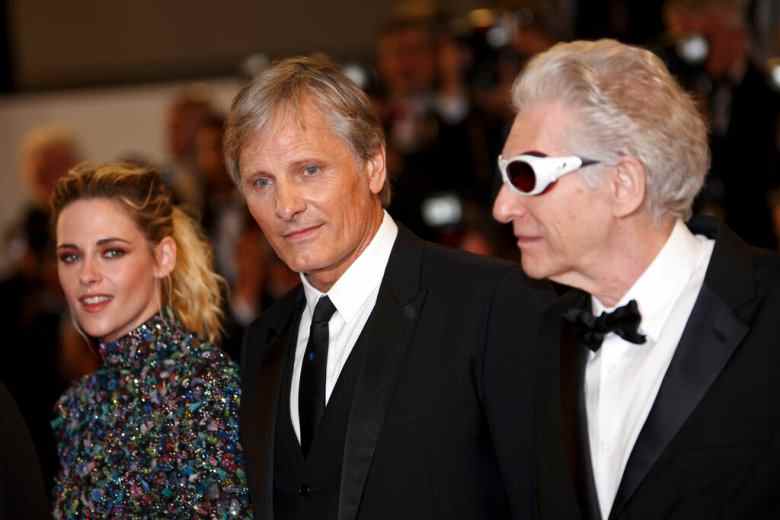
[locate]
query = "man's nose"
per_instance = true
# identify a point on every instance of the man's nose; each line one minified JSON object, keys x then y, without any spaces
{"x":289,"y":201}
{"x":508,"y":205}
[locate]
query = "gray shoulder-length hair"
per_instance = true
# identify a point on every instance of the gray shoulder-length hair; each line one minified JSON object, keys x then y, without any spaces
{"x":288,"y":85}
{"x":625,"y":103}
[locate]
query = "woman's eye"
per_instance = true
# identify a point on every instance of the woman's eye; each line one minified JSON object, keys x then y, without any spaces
{"x":113,"y":253}
{"x":68,"y":258}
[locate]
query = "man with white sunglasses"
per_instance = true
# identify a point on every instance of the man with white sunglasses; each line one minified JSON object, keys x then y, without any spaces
{"x":653,"y":396}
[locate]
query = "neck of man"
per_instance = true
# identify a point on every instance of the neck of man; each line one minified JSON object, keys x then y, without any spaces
{"x":629,"y":250}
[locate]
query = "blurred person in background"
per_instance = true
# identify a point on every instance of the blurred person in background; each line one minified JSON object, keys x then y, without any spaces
{"x":764,"y":16}
{"x":32,"y":308}
{"x":261,"y":279}
{"x":186,"y":113}
{"x":742,"y":107}
{"x":247,"y":296}
{"x":222,"y":211}
{"x":153,"y":433}
{"x":437,"y":142}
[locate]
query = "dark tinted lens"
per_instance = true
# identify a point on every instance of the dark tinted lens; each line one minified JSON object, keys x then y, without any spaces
{"x":521,"y":175}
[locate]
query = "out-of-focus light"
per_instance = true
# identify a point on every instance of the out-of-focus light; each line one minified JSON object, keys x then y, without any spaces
{"x":774,"y":71}
{"x":498,"y":36}
{"x":356,"y":73}
{"x":693,"y":49}
{"x":482,"y":18}
{"x":776,"y":74}
{"x":442,"y":210}
{"x":254,"y":64}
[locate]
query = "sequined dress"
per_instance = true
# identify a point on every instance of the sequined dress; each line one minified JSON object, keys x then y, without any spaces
{"x":153,"y":433}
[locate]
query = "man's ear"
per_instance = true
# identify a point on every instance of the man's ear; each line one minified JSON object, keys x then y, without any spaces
{"x":628,"y":186}
{"x":165,"y":257}
{"x":376,"y":170}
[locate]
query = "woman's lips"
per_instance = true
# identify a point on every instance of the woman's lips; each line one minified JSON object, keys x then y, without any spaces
{"x":95,"y":302}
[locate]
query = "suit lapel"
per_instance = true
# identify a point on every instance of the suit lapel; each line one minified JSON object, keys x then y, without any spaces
{"x":714,"y":330}
{"x":558,"y":431}
{"x":261,"y":411}
{"x":386,"y":335}
{"x":574,"y":415}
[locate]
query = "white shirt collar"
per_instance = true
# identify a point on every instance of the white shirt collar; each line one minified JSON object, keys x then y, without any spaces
{"x":662,"y":283}
{"x":362,"y":277}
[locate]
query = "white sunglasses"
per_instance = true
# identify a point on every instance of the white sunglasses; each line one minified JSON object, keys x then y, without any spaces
{"x":529,"y":174}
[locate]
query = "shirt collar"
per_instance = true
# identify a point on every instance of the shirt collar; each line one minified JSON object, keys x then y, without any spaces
{"x":664,"y":280}
{"x":361,"y":278}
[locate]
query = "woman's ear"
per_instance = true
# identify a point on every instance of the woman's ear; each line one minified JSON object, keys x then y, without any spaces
{"x":165,"y":257}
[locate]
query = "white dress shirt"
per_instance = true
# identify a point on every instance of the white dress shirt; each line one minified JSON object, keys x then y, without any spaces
{"x":354,"y":296}
{"x":622,"y":379}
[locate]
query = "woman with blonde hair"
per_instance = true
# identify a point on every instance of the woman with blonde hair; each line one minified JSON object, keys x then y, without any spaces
{"x":153,"y":433}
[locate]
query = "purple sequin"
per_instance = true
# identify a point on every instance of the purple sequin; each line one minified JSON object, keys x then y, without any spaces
{"x":153,"y":433}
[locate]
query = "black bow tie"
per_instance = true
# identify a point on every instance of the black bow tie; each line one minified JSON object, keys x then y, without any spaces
{"x":623,"y":321}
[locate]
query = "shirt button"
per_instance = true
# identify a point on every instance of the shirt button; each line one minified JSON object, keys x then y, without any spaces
{"x":304,"y":490}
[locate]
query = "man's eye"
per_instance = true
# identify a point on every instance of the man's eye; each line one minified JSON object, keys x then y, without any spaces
{"x":113,"y":253}
{"x":311,"y":169}
{"x":68,"y":258}
{"x":260,"y":182}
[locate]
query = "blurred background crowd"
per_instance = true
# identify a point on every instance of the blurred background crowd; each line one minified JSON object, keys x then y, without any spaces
{"x":440,"y":77}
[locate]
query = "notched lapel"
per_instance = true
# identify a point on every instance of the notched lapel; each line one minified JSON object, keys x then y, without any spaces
{"x":557,"y":431}
{"x":710,"y":338}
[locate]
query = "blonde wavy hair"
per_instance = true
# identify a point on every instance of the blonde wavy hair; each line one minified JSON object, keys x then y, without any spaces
{"x":193,"y":291}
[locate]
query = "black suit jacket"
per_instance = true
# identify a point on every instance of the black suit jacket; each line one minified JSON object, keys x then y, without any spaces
{"x":709,"y":447}
{"x":432,"y":403}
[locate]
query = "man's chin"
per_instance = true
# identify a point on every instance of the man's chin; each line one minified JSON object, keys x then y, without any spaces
{"x":534,"y":270}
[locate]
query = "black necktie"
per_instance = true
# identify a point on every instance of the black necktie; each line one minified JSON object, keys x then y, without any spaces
{"x":311,"y":392}
{"x":623,"y":321}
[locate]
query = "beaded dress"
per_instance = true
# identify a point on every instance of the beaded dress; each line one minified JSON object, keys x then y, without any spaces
{"x":153,"y":433}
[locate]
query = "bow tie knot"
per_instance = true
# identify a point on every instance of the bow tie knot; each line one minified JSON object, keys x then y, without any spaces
{"x":623,"y":321}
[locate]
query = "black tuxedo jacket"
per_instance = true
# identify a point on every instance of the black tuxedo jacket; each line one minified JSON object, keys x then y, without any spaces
{"x":432,"y":401}
{"x":709,"y":447}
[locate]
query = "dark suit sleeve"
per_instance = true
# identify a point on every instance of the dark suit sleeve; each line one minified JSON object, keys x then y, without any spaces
{"x":758,"y":496}
{"x":248,"y":369}
{"x":22,"y":493}
{"x":511,"y":344}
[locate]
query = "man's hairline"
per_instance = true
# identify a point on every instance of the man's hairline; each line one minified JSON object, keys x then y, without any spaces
{"x":274,"y":118}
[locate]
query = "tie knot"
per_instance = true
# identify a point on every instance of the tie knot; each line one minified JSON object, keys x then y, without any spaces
{"x":323,"y":310}
{"x":623,"y":321}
